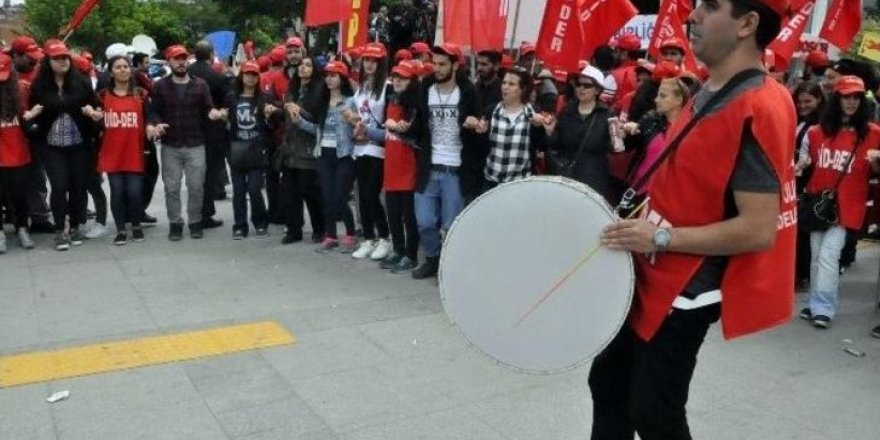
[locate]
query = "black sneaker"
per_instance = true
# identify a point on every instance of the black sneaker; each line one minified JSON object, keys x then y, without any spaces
{"x":148,"y":219}
{"x":137,"y":234}
{"x":210,"y":223}
{"x":175,"y":232}
{"x":291,"y":238}
{"x":238,"y":234}
{"x":821,"y":321}
{"x":390,"y":261}
{"x":428,"y":269}
{"x":806,"y":314}
{"x":317,"y":237}
{"x":196,"y":231}
{"x":62,"y":242}
{"x":121,"y":239}
{"x":261,"y":233}
{"x":405,"y":264}
{"x":876,"y":332}
{"x":76,"y":237}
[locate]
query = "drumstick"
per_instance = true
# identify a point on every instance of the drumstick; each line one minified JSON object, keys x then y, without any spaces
{"x":590,"y":254}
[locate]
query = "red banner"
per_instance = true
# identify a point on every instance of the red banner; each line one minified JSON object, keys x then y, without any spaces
{"x":560,"y":39}
{"x":669,"y":24}
{"x":323,"y":12}
{"x":789,"y":38}
{"x":600,"y":20}
{"x":79,"y":15}
{"x":488,"y":24}
{"x":355,"y":24}
{"x":457,"y":29}
{"x":842,"y":22}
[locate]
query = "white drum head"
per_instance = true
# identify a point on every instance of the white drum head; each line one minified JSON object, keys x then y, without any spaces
{"x":509,"y":249}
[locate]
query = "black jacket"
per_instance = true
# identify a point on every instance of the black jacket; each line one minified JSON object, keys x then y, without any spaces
{"x":591,"y":165}
{"x":74,"y":97}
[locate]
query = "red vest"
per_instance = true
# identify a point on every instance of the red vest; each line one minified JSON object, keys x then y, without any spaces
{"x":689,"y":190}
{"x":15,"y":150}
{"x":627,"y":81}
{"x":829,"y":156}
{"x":122,"y":147}
{"x":400,"y":158}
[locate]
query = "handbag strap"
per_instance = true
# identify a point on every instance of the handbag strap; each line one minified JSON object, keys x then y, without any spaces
{"x":583,"y":143}
{"x":724,"y":92}
{"x":849,"y":162}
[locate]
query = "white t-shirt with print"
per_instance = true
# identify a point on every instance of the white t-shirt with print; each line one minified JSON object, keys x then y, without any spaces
{"x":445,"y":129}
{"x":371,"y":112}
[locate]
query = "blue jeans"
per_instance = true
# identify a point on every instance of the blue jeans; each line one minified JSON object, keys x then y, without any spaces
{"x":825,"y":270}
{"x":248,"y":185}
{"x":126,"y":198}
{"x":337,"y":182}
{"x":436,"y":207}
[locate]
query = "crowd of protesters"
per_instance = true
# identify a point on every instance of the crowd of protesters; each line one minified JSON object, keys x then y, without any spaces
{"x":407,"y":134}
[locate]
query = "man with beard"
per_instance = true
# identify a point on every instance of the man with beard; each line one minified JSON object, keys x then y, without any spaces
{"x":181,"y":109}
{"x":488,"y":80}
{"x":292,"y":59}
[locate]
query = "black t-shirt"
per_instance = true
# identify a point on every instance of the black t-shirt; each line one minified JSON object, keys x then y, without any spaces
{"x":245,"y":128}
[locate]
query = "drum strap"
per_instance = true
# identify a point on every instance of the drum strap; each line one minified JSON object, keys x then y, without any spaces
{"x":626,"y":202}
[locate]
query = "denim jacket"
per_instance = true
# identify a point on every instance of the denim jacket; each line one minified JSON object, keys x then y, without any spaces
{"x":344,"y":131}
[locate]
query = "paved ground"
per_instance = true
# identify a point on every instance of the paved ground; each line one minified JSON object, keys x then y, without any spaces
{"x":375,"y":357}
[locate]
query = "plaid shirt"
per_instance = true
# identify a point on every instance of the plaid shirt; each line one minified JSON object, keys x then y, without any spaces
{"x":187,"y":118}
{"x":509,"y":157}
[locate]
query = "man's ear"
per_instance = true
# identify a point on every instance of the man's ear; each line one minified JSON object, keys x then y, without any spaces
{"x":748,"y":24}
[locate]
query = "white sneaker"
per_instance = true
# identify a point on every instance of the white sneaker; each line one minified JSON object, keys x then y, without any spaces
{"x":24,"y":239}
{"x":2,"y":241}
{"x":364,"y":250}
{"x":96,"y":230}
{"x":382,"y":250}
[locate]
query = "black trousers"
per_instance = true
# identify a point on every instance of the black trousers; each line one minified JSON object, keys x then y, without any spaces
{"x":38,"y":189}
{"x":802,"y":256}
{"x":14,"y":187}
{"x":151,"y":173}
{"x":369,"y":180}
{"x":300,"y":186}
{"x":643,"y":387}
{"x":402,"y":222}
{"x":216,"y":144}
{"x":273,"y":195}
{"x":69,"y":170}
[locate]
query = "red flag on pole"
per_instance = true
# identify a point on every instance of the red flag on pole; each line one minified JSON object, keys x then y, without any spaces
{"x":456,"y":25}
{"x":355,"y":24}
{"x":842,"y":22}
{"x":488,"y":24}
{"x":560,"y":39}
{"x":669,"y":25}
{"x":78,"y":16}
{"x":323,"y":12}
{"x":789,"y":37}
{"x":601,"y":19}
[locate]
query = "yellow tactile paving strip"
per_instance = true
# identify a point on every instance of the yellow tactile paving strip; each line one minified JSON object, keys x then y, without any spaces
{"x":27,"y":368}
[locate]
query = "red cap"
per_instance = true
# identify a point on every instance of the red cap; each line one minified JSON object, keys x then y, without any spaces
{"x":82,"y":64}
{"x":629,"y":42}
{"x":264,"y":62}
{"x":5,"y":66}
{"x":57,"y":49}
{"x":176,"y":51}
{"x":560,"y":76}
{"x":375,"y":51}
{"x":337,"y":67}
{"x":403,"y":55}
{"x":277,"y":54}
{"x":87,"y":55}
{"x":24,"y":44}
{"x":250,"y":67}
{"x":526,"y":48}
{"x":848,"y":85}
{"x":506,"y":61}
{"x":356,"y":52}
{"x":664,"y":70}
{"x":817,"y":58}
{"x":780,"y":7}
{"x":427,"y":68}
{"x":450,"y":49}
{"x":405,"y":69}
{"x":419,"y":48}
{"x":673,"y":43}
{"x":293,"y":42}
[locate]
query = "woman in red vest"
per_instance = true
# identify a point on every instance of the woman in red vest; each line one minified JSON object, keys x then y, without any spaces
{"x":838,"y":147}
{"x":15,"y":153}
{"x":121,"y":154}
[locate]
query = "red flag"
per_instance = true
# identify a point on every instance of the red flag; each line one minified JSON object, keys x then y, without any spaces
{"x":488,"y":24}
{"x":355,"y":24}
{"x":560,"y":39}
{"x":323,"y":12}
{"x":789,"y":37}
{"x":669,"y":25}
{"x":842,"y":22}
{"x":601,"y":19}
{"x":78,"y":16}
{"x":456,"y":28}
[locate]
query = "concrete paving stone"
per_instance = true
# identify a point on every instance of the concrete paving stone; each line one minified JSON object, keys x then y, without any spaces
{"x":455,"y":424}
{"x":373,"y":310}
{"x":283,"y":434}
{"x":44,"y":256}
{"x":242,"y":389}
{"x":19,"y":331}
{"x":754,"y":421}
{"x":291,"y":415}
{"x":409,"y":337}
{"x":15,"y":272}
{"x":180,"y":307}
{"x":353,"y":399}
{"x":25,"y":413}
{"x":325,"y":352}
{"x":226,"y":365}
{"x":17,"y":300}
{"x":78,"y":275}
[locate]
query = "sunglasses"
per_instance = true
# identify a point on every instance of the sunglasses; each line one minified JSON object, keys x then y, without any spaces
{"x":582,"y":85}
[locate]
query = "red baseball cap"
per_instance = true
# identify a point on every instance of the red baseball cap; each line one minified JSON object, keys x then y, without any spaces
{"x":405,"y":69}
{"x":337,"y":67}
{"x":450,"y":49}
{"x":57,"y":49}
{"x":403,"y":55}
{"x":250,"y":67}
{"x":277,"y":54}
{"x":24,"y":44}
{"x":629,"y":42}
{"x":176,"y":51}
{"x":427,"y":68}
{"x":817,"y":58}
{"x":294,"y":42}
{"x":264,"y":62}
{"x":356,"y":52}
{"x":87,"y":55}
{"x":848,"y":85}
{"x":374,"y":51}
{"x":506,"y":61}
{"x":664,"y":70}
{"x":673,"y":43}
{"x":526,"y":48}
{"x":82,"y":64}
{"x":419,"y":48}
{"x":5,"y":66}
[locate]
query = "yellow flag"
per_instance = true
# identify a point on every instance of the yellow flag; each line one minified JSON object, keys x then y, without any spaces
{"x":870,"y":47}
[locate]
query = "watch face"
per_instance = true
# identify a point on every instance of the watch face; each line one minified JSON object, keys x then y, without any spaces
{"x":662,"y":238}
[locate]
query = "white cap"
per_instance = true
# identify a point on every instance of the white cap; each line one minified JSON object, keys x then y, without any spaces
{"x":594,"y":74}
{"x":116,"y":49}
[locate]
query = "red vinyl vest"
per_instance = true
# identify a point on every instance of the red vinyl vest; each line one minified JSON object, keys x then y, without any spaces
{"x":689,"y":190}
{"x":400,"y":158}
{"x":122,"y":145}
{"x":15,"y":150}
{"x":829,"y":156}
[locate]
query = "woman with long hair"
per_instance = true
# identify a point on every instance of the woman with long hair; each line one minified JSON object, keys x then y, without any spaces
{"x":297,"y":161}
{"x":65,"y":120}
{"x":248,"y":134}
{"x":370,"y":97}
{"x":333,"y":124}
{"x":809,"y":99}
{"x":121,"y":154}
{"x":838,"y":148}
{"x":15,"y":152}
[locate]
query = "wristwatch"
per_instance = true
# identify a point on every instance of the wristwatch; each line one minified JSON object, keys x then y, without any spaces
{"x":662,"y":237}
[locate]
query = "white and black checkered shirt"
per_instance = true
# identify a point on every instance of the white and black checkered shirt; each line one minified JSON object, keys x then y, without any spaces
{"x":509,"y":157}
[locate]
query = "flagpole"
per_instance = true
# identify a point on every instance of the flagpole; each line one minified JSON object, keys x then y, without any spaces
{"x":515,"y":24}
